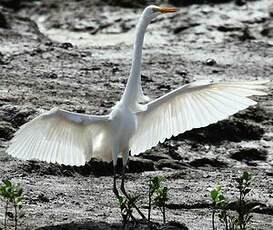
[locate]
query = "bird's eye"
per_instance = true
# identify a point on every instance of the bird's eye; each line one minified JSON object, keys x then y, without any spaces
{"x":155,"y":10}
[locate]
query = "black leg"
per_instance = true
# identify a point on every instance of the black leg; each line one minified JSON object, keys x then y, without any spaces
{"x":115,"y":190}
{"x":126,"y":194}
{"x":123,"y":181}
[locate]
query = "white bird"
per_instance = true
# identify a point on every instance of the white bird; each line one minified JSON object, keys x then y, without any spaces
{"x":68,"y":138}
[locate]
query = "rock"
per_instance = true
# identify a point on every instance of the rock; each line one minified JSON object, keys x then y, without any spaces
{"x":210,"y":62}
{"x":250,"y":154}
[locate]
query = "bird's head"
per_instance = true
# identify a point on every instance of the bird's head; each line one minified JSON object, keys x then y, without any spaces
{"x":153,"y":11}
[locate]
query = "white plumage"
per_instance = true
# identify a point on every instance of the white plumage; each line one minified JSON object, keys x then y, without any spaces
{"x":191,"y":106}
{"x":59,"y":136}
{"x":63,"y":137}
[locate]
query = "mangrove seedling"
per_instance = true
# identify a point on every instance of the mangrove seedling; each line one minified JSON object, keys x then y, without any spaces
{"x":243,"y":208}
{"x":161,"y":197}
{"x":153,"y":185}
{"x":11,"y":195}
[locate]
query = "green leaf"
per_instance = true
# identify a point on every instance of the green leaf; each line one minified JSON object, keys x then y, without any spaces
{"x":159,"y":191}
{"x":120,"y":200}
{"x":8,"y":190}
{"x":7,"y":182}
{"x":19,"y":192}
{"x":246,"y":176}
{"x":18,"y":200}
{"x":221,"y":197}
{"x":222,"y":214}
{"x":215,"y":192}
{"x":156,"y":182}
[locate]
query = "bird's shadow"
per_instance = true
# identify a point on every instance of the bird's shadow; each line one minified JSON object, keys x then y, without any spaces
{"x":234,"y":130}
{"x":94,"y":167}
{"x":90,"y":225}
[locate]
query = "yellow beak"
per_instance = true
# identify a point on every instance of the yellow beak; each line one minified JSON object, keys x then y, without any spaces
{"x":166,"y":10}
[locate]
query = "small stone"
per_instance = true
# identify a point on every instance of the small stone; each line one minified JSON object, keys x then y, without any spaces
{"x":210,"y":62}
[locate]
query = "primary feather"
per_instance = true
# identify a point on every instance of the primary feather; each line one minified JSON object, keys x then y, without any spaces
{"x":191,"y":106}
{"x":63,"y":137}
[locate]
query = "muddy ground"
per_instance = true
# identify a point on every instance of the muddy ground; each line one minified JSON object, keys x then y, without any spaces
{"x":76,"y":55}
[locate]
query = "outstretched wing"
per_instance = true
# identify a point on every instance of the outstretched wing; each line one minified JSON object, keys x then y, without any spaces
{"x":191,"y":106}
{"x":63,"y":137}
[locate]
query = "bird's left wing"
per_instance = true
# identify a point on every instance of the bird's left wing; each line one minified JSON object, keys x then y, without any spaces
{"x":59,"y":136}
{"x":191,"y":106}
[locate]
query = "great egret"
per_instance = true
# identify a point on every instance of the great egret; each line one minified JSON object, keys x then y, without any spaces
{"x":68,"y":138}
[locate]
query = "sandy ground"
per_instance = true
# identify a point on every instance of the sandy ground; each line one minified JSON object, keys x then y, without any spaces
{"x":76,"y":55}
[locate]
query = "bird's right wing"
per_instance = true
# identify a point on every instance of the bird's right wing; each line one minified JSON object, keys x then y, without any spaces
{"x":191,"y":106}
{"x":63,"y":137}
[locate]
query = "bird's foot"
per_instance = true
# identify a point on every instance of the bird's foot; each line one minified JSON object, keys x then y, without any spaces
{"x":132,"y":201}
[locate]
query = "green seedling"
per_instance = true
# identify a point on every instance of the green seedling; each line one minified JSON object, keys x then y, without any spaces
{"x":153,"y":185}
{"x":161,"y":197}
{"x":11,"y":195}
{"x":243,"y":208}
{"x":219,"y":202}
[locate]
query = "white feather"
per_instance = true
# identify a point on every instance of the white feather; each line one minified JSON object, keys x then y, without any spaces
{"x":191,"y":106}
{"x":62,"y":137}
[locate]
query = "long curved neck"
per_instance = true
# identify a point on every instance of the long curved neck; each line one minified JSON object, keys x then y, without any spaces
{"x":130,"y":94}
